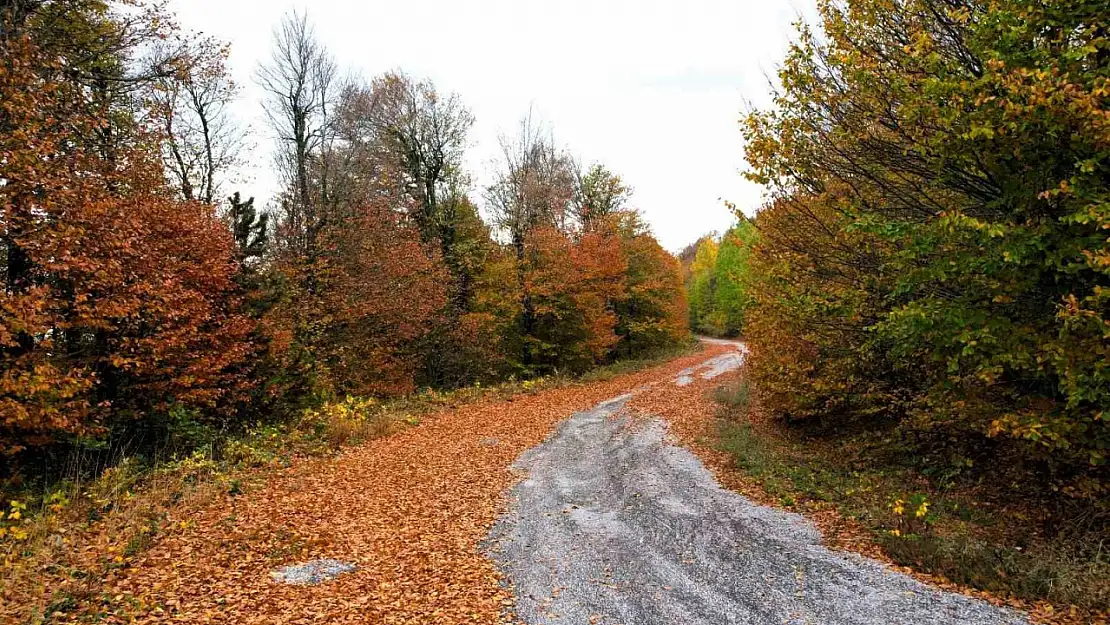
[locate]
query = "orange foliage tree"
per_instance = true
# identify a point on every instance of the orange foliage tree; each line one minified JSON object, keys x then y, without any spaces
{"x":570,"y":285}
{"x":652,"y":310}
{"x":118,"y":299}
{"x":375,"y":293}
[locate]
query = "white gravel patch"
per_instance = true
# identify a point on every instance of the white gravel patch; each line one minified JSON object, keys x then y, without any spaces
{"x":310,"y":573}
{"x":714,"y":366}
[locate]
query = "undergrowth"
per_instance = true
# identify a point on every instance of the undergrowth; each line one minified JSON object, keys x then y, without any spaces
{"x":631,"y":365}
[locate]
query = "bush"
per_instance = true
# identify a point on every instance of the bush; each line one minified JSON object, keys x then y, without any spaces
{"x":346,"y":422}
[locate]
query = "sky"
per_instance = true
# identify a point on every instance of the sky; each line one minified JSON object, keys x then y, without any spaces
{"x":652,"y":89}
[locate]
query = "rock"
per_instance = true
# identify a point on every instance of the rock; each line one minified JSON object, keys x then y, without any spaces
{"x":311,"y":573}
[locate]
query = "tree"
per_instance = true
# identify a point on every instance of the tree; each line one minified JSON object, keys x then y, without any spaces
{"x":249,"y":228}
{"x":426,"y":133}
{"x":732,"y":277}
{"x":301,"y":84}
{"x":701,"y":282}
{"x":534,"y":185}
{"x":119,"y":301}
{"x":361,"y":292}
{"x":378,"y":293}
{"x":571,"y":285}
{"x":468,"y":345}
{"x":201,"y":140}
{"x":950,"y":158}
{"x":651,"y":311}
{"x":533,"y":189}
{"x":600,"y":193}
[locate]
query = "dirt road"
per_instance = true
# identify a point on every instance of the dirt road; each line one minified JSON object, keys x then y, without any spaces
{"x":610,"y":524}
{"x":616,"y":524}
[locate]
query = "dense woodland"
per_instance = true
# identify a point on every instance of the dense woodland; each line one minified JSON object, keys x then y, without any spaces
{"x":933,"y":263}
{"x":149,"y":309}
{"x":930,"y":273}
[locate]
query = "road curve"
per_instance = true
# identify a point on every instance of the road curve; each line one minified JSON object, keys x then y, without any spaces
{"x":614,"y":524}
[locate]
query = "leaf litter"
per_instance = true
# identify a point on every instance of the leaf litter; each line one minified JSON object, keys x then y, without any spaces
{"x":409,"y":511}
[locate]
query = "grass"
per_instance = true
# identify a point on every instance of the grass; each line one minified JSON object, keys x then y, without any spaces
{"x":735,"y":397}
{"x":968,"y":530}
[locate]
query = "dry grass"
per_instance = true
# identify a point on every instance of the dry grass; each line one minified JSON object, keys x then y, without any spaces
{"x":94,"y":528}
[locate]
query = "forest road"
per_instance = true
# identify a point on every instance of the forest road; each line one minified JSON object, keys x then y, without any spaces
{"x":614,"y":523}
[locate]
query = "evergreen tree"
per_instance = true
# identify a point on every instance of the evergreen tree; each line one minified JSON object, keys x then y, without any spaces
{"x":250,"y":228}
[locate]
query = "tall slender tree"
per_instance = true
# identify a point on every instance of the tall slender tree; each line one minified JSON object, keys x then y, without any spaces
{"x":301,"y":84}
{"x":201,"y":140}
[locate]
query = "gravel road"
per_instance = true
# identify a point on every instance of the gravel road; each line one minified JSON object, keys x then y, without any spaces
{"x":614,"y":524}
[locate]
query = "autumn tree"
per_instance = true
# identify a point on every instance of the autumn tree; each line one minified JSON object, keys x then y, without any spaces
{"x":570,"y":286}
{"x":599,"y":194}
{"x":361,"y":290}
{"x":701,"y":282}
{"x":403,"y":138}
{"x":592,"y":282}
{"x":651,"y":310}
{"x":951,"y":158}
{"x":533,"y":188}
{"x":119,"y":302}
{"x":426,"y":133}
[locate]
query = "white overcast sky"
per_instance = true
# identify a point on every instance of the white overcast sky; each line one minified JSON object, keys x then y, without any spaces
{"x":653,"y":89}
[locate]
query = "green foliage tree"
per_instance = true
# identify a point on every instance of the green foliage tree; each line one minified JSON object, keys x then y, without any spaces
{"x":700,"y":283}
{"x":249,"y":227}
{"x":731,"y":276}
{"x":950,"y":161}
{"x":600,"y":193}
{"x":717,"y":280}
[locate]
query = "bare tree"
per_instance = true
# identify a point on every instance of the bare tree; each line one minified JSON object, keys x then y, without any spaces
{"x":426,"y":134}
{"x":302,"y":84}
{"x":361,"y":163}
{"x":202,"y":141}
{"x":534,"y":184}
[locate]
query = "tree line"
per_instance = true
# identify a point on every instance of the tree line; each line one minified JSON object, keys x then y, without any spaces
{"x":716,"y":272}
{"x":144,"y":298}
{"x":934,"y":260}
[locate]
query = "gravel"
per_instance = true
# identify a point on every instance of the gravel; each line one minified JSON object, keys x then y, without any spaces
{"x":714,"y":366}
{"x":311,"y":573}
{"x":613,"y":524}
